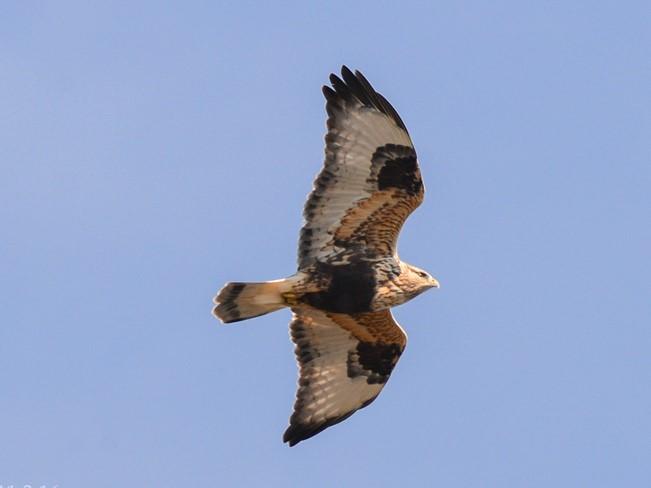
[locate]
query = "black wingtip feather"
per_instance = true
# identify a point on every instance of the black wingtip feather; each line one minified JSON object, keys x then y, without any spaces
{"x":355,"y":86}
{"x":341,"y":88}
{"x":328,"y":92}
{"x":345,"y":71}
{"x":361,"y":92}
{"x":297,"y":432}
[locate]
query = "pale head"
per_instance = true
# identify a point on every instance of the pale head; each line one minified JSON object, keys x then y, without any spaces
{"x":415,"y":280}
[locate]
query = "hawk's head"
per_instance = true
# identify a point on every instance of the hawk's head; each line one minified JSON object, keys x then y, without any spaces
{"x":415,"y":280}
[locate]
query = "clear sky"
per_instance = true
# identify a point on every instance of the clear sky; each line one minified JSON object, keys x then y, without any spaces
{"x":150,"y":152}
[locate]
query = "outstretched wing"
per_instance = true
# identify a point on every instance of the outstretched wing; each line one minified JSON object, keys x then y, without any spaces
{"x":344,"y":361}
{"x":370,"y":181}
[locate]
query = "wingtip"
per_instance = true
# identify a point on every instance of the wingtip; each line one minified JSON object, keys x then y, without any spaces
{"x":290,"y":436}
{"x":327,"y":91}
{"x":297,"y":432}
{"x":345,"y":71}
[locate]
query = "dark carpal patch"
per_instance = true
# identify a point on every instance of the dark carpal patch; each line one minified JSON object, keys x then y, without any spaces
{"x":351,"y":288}
{"x":398,"y":168}
{"x":375,"y":360}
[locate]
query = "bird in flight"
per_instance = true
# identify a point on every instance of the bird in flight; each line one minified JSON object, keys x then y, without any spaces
{"x":349,"y":273}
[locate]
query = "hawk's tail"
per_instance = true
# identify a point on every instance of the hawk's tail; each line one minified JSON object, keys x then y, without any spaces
{"x":241,"y":301}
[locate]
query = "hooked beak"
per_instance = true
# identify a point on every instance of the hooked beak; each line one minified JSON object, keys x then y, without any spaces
{"x":434,"y":283}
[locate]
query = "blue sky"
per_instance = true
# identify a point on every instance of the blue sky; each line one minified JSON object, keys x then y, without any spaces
{"x":151,"y":152}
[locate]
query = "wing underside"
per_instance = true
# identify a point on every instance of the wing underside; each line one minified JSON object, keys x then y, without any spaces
{"x":344,"y":362}
{"x":370,"y":181}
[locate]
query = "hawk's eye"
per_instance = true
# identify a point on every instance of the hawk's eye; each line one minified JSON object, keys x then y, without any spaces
{"x":422,"y":274}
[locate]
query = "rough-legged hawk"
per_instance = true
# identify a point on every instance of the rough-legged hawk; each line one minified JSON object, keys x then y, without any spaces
{"x":349,"y":274}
